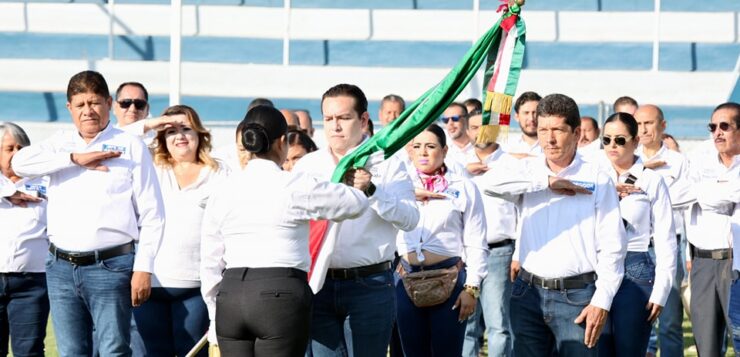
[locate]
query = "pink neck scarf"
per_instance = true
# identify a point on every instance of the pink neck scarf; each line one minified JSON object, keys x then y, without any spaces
{"x":435,"y":182}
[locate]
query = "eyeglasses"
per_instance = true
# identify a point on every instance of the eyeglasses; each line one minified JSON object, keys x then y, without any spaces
{"x":724,"y":126}
{"x":454,"y":118}
{"x":139,"y":104}
{"x":619,"y":140}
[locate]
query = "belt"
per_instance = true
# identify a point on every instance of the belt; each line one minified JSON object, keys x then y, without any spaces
{"x":716,"y":254}
{"x":500,"y":244}
{"x":571,"y":282}
{"x":359,"y":272}
{"x":91,"y":257}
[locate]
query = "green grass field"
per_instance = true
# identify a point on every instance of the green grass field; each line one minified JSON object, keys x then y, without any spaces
{"x":688,"y":342}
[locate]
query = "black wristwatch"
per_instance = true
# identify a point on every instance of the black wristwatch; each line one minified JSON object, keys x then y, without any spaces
{"x":370,"y":190}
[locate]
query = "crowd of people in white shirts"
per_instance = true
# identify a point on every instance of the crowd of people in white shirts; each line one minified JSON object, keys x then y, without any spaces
{"x":140,"y":239}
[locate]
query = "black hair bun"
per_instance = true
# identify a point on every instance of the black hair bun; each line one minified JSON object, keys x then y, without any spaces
{"x":255,"y":138}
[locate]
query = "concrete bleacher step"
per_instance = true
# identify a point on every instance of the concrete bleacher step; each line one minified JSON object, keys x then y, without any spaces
{"x":275,"y":81}
{"x":426,"y":54}
{"x":366,"y":24}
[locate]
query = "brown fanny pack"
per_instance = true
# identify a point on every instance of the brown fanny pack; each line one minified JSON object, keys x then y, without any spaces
{"x":430,"y":287}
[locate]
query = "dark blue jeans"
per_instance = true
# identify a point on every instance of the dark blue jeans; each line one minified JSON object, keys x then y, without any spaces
{"x":433,"y":330}
{"x":542,"y":320}
{"x":627,"y":330}
{"x":353,"y":317}
{"x":669,"y":326}
{"x":172,"y":321}
{"x":83,"y":297}
{"x":735,"y":309}
{"x":24,"y":311}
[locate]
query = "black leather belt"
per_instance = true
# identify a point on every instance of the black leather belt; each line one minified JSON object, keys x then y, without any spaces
{"x":500,"y":244}
{"x":716,"y":254}
{"x":571,"y":282}
{"x":359,"y":272}
{"x":91,"y":257}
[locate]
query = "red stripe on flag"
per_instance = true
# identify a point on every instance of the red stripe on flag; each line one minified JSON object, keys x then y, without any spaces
{"x":316,"y":235}
{"x":504,"y":119}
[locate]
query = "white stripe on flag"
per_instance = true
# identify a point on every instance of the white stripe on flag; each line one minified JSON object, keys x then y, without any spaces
{"x":508,"y":51}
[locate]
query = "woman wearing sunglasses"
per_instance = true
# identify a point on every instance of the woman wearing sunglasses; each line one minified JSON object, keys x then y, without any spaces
{"x":452,"y":225}
{"x":646,"y":213}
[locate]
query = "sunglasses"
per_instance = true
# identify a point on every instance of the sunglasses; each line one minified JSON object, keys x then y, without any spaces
{"x":724,"y":126}
{"x":454,"y":118}
{"x":139,"y":104}
{"x":619,"y":140}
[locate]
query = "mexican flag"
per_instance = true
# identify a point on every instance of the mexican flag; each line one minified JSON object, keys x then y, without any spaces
{"x":502,"y":46}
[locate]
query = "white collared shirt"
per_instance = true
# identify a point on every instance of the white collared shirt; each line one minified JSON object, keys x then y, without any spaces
{"x":259,"y":217}
{"x":370,"y":238}
{"x":454,"y":226}
{"x":675,"y":173}
{"x":593,"y":146}
{"x":648,"y":214}
{"x":456,"y":153}
{"x":517,"y":145}
{"x":90,"y":209}
{"x":177,"y":264}
{"x":501,"y":214}
{"x":228,"y":154}
{"x":716,"y":190}
{"x":23,"y":241}
{"x":137,"y":128}
{"x":563,"y":236}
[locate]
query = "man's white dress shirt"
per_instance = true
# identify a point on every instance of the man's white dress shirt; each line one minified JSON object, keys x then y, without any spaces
{"x":90,"y":209}
{"x":370,"y":238}
{"x":561,"y":235}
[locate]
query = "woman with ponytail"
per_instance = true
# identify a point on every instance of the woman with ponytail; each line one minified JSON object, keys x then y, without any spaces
{"x":255,"y":257}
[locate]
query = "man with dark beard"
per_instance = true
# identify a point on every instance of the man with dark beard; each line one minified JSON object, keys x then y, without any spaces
{"x":525,"y":108}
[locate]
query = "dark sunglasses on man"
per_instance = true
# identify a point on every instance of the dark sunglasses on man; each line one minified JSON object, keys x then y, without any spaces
{"x":724,"y":126}
{"x":139,"y":104}
{"x":454,"y":118}
{"x":619,"y":140}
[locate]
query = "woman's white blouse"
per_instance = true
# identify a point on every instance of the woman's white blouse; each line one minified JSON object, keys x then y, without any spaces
{"x":647,"y":214}
{"x":177,"y":263}
{"x":23,"y":241}
{"x":260,"y":218}
{"x":454,"y":226}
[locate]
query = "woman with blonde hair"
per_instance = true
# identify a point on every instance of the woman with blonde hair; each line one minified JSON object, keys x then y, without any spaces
{"x":175,"y":316}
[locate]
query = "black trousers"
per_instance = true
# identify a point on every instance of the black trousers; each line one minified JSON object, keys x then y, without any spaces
{"x":263,"y":312}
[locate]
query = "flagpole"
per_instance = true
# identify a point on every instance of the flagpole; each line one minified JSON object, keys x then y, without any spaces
{"x":175,"y":51}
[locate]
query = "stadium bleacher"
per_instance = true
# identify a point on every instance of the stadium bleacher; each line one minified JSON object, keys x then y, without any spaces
{"x":593,"y":50}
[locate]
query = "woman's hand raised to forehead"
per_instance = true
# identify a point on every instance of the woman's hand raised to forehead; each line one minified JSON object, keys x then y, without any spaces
{"x":164,"y":122}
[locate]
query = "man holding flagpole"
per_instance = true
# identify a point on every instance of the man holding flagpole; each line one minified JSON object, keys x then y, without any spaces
{"x":355,"y":308}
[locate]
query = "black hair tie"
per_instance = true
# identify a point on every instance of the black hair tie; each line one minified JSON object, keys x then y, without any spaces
{"x":255,"y":138}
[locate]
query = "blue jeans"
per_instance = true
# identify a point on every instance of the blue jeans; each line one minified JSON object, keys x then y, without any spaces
{"x":669,"y":326}
{"x":493,"y":306}
{"x":433,"y":330}
{"x":83,"y":297}
{"x":172,"y":321}
{"x":735,"y":309}
{"x":353,"y":317}
{"x":24,"y":311}
{"x":627,"y":330}
{"x":542,"y":320}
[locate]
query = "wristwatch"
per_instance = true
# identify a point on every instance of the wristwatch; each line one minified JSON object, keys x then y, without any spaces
{"x":370,"y":190}
{"x":474,"y":291}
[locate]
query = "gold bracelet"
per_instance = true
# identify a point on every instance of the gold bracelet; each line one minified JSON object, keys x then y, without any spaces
{"x":474,"y":291}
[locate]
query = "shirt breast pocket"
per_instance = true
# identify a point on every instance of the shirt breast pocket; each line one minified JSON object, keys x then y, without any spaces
{"x":118,"y":180}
